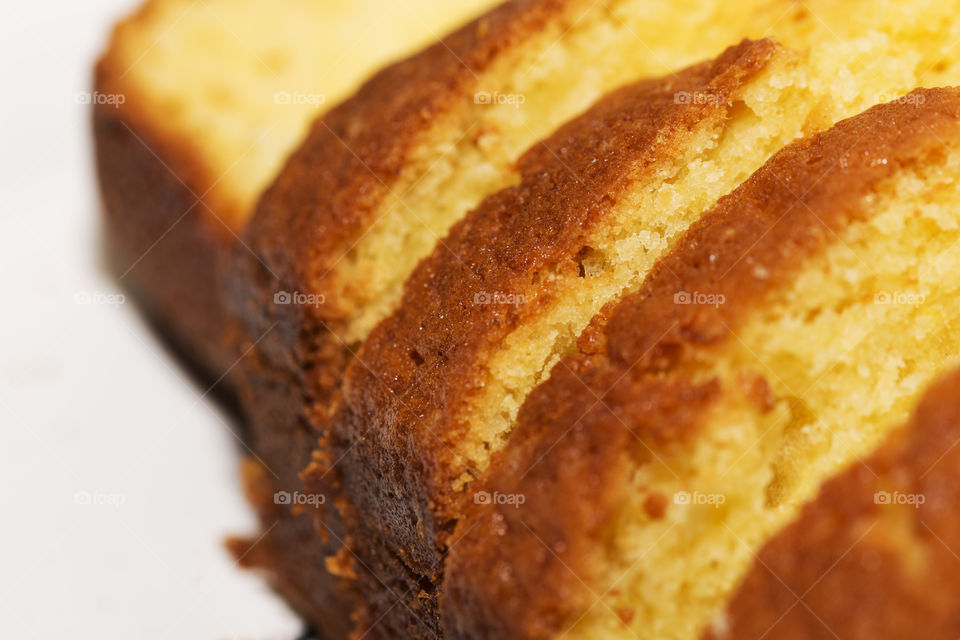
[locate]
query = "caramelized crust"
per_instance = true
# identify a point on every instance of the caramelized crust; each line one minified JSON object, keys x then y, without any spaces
{"x":164,"y":242}
{"x":856,"y":565}
{"x":329,"y":192}
{"x":397,"y":437}
{"x":634,"y":389}
{"x":324,"y":200}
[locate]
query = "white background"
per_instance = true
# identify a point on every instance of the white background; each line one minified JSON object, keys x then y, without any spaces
{"x":89,"y":399}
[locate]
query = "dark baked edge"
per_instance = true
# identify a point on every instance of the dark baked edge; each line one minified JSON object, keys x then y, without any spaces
{"x":171,"y":248}
{"x":166,"y":243}
{"x":325,"y":197}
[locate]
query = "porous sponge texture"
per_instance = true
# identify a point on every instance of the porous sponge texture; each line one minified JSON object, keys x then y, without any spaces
{"x":792,"y":99}
{"x":846,"y":350}
{"x":845,"y":70}
{"x":555,"y":74}
{"x":765,"y":114}
{"x":885,"y":527}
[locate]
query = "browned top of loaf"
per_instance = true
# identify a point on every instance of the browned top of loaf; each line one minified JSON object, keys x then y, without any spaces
{"x":400,"y":425}
{"x":851,"y":568}
{"x":523,"y":572}
{"x":169,"y":235}
{"x":149,"y":126}
{"x":330,"y":189}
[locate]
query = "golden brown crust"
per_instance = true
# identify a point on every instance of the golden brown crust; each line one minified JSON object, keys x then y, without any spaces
{"x":329,"y":192}
{"x":856,"y":565}
{"x":169,"y":239}
{"x":632,"y":390}
{"x":396,"y":458}
{"x":328,"y":195}
{"x":163,"y":244}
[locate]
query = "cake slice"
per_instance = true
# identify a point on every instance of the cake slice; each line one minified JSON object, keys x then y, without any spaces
{"x":436,"y":387}
{"x":875,"y":555}
{"x":198,"y":105}
{"x":376,"y":184}
{"x":381,"y":179}
{"x":782,"y":339}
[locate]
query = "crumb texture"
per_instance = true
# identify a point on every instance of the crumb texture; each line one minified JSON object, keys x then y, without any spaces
{"x":730,"y":387}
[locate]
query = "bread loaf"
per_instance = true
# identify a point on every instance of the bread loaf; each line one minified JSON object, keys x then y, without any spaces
{"x":497,"y":315}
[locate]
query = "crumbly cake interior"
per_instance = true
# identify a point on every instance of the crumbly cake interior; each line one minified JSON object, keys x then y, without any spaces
{"x":239,"y":81}
{"x":859,"y":66}
{"x":840,"y":76}
{"x":770,"y":112}
{"x":843,"y":77}
{"x":787,"y":102}
{"x":532,"y":90}
{"x":846,"y":350}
